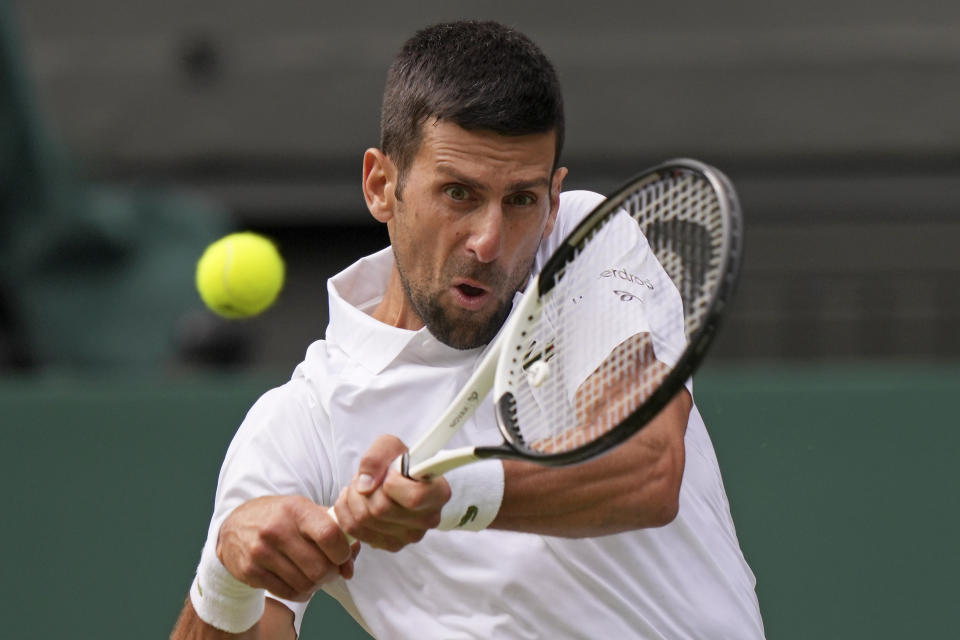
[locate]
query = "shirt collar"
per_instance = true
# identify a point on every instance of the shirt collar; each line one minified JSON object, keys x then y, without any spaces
{"x":354,"y":293}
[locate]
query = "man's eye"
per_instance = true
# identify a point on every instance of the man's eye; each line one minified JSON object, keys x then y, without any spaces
{"x":522,"y":200}
{"x":457,"y":192}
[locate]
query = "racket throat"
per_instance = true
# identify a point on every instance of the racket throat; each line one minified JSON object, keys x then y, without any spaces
{"x":439,"y":464}
{"x":507,"y":420}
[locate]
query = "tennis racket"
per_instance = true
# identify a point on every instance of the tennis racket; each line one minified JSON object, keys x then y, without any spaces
{"x":608,"y":333}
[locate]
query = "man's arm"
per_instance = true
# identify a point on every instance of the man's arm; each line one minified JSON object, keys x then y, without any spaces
{"x":286,"y":544}
{"x":636,"y":485}
{"x":276,"y":624}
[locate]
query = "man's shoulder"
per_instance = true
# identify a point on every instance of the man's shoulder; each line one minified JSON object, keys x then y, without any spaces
{"x":574,"y":207}
{"x":299,"y":397}
{"x":579,"y":199}
{"x":305,"y":392}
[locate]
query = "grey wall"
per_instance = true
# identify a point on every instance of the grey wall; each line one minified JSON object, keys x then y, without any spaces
{"x":837,"y":120}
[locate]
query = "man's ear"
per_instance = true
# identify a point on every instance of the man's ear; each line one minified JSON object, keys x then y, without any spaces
{"x":556,"y":185}
{"x":379,"y":184}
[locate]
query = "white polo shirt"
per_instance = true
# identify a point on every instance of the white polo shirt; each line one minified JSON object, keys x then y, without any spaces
{"x":685,"y":580}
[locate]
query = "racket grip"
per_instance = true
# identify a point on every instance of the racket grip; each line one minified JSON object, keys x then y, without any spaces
{"x":333,"y":514}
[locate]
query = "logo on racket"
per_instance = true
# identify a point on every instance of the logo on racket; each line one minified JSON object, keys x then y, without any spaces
{"x":465,"y":411}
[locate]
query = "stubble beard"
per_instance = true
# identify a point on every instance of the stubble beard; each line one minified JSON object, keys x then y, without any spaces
{"x":465,"y":329}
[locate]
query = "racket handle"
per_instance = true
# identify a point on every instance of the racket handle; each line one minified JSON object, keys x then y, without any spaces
{"x":439,"y":464}
{"x":333,"y":514}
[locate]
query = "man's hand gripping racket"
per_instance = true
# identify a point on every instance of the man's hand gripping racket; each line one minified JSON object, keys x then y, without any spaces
{"x":611,"y":329}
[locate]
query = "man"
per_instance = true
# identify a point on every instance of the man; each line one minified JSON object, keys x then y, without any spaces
{"x":637,"y":543}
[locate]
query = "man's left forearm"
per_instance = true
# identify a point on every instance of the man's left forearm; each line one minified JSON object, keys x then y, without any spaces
{"x":634,"y":486}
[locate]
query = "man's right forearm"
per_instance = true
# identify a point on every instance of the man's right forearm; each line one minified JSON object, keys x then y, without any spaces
{"x":191,"y":627}
{"x":276,"y":624}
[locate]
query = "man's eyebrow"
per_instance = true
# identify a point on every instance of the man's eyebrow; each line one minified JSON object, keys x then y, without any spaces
{"x":521,"y":185}
{"x":459,"y":177}
{"x":530,"y":184}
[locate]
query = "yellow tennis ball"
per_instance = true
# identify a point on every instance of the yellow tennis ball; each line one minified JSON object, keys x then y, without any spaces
{"x":240,"y":275}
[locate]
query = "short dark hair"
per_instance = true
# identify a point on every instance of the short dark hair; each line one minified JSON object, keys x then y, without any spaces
{"x":477,"y":75}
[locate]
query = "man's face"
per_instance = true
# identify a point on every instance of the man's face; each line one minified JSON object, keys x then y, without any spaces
{"x":474,"y":208}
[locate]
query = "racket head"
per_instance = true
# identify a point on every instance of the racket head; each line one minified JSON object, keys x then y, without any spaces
{"x":554,"y":406}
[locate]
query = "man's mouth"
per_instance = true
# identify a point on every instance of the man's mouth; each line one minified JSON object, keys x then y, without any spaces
{"x":469,"y":290}
{"x":470,"y":295}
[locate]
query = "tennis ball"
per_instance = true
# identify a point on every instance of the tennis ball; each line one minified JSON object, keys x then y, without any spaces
{"x":240,"y":275}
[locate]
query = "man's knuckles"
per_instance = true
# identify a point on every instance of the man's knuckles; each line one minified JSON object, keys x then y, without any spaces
{"x":260,"y":552}
{"x":318,"y":571}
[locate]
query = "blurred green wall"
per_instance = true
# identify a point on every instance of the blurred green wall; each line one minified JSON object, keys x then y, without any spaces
{"x":842,"y":484}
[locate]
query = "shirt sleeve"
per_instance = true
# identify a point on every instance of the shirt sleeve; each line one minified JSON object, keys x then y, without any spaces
{"x":574,"y":207}
{"x":278,"y":450}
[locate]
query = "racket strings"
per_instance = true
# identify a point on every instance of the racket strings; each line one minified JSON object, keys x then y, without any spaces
{"x":619,"y":314}
{"x":688,"y":241}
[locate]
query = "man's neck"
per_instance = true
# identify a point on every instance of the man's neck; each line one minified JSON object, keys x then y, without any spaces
{"x":395,"y":310}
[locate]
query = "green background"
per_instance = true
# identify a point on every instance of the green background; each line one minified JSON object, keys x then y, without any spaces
{"x":841,"y":482}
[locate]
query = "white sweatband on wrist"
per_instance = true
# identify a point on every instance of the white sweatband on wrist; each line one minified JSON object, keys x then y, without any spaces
{"x":221,"y":600}
{"x":476,"y":491}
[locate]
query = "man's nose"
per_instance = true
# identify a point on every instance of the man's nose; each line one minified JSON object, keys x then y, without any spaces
{"x":486,"y":233}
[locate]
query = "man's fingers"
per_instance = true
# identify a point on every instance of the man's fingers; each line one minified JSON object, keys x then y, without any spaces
{"x":384,"y":509}
{"x":312,"y":555}
{"x":346,"y":569}
{"x":286,"y":544}
{"x":277,"y":586}
{"x":276,"y":572}
{"x":316,"y":526}
{"x":376,"y":462}
{"x":417,"y":495}
{"x":315,"y":564}
{"x":380,"y":522}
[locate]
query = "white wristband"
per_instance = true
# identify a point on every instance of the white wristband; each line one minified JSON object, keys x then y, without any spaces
{"x":476,"y":491}
{"x":221,"y":600}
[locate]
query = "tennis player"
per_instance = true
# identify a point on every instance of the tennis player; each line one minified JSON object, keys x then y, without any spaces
{"x":638,"y":543}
